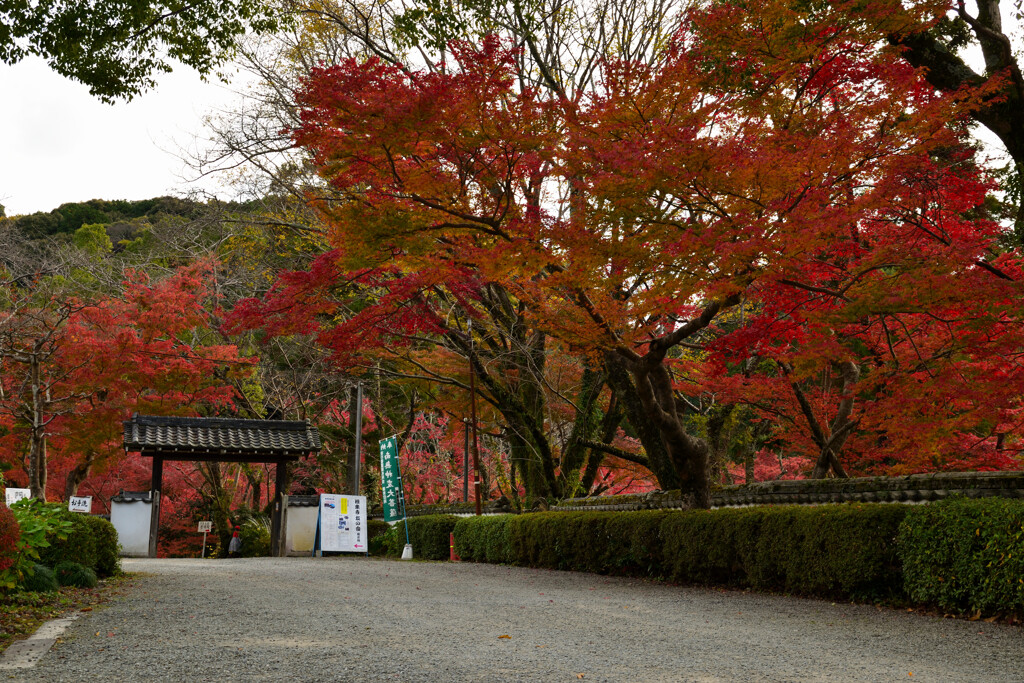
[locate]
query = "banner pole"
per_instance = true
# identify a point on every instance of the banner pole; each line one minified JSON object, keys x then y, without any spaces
{"x":407,"y":552}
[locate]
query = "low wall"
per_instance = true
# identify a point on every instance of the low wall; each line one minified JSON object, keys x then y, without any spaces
{"x":914,"y":488}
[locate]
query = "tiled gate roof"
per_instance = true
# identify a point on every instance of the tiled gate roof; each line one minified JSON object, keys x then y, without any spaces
{"x":181,"y":436}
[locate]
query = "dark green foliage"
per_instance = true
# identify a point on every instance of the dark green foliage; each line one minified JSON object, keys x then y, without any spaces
{"x":68,"y":218}
{"x":483,"y":539}
{"x":116,"y":48}
{"x":428,"y":535}
{"x":843,"y":551}
{"x":829,"y":550}
{"x":74,"y":574}
{"x":108,"y":549}
{"x":376,"y":530}
{"x":41,"y":580}
{"x":80,"y":545}
{"x":255,"y":536}
{"x":960,"y":555}
{"x":965,"y":555}
{"x":601,"y":542}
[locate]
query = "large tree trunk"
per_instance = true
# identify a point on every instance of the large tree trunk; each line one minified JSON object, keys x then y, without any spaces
{"x":688,"y":454}
{"x":584,"y":427}
{"x":37,"y":446}
{"x":646,"y":430}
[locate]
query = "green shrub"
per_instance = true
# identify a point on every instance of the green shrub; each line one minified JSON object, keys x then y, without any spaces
{"x":39,"y":523}
{"x":960,"y":555}
{"x":39,"y":579}
{"x":641,"y":549}
{"x":844,"y":551}
{"x":376,"y":529}
{"x":428,"y":535}
{"x":965,"y":555}
{"x":79,"y":545}
{"x":75,"y":574}
{"x":108,"y":550}
{"x":483,"y":539}
{"x":600,"y":542}
{"x":255,"y":536}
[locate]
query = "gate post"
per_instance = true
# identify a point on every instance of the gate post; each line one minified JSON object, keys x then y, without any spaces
{"x":154,"y":513}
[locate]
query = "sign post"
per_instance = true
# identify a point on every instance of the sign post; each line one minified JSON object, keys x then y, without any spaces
{"x":80,"y":504}
{"x":205,"y":528}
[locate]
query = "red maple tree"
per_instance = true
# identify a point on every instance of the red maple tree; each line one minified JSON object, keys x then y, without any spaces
{"x":778,"y":186}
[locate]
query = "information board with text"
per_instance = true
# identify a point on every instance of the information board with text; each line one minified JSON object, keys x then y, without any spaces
{"x":342,"y":523}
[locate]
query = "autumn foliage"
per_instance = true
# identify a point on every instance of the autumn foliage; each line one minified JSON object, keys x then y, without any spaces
{"x":139,"y":351}
{"x":778,"y":213}
{"x":766,"y":252}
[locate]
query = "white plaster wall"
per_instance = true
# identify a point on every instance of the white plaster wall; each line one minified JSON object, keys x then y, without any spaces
{"x":132,"y":523}
{"x":300,"y":532}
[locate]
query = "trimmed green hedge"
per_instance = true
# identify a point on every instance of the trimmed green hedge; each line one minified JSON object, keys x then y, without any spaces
{"x":108,"y":549}
{"x":375,"y":532}
{"x":428,"y":535}
{"x":830,"y":550}
{"x":959,"y":555}
{"x":91,"y":542}
{"x":965,"y":555}
{"x":483,"y":539}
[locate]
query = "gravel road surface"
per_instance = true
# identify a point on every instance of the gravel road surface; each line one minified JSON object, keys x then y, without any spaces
{"x":358,"y":619}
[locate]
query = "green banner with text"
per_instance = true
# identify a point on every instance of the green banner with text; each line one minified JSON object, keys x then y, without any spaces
{"x":391,"y":480}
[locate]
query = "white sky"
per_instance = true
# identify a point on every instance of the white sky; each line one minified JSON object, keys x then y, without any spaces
{"x":59,"y":144}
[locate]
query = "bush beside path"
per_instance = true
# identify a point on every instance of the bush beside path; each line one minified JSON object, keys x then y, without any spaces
{"x":366,"y":619}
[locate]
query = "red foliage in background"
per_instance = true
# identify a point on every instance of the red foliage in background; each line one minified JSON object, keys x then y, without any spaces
{"x":10,"y":532}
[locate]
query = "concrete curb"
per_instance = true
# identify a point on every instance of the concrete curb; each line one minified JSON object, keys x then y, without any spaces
{"x":24,"y":654}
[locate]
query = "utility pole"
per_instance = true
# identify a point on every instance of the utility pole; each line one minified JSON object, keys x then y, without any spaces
{"x":357,"y":454}
{"x":465,"y":462}
{"x":472,"y":417}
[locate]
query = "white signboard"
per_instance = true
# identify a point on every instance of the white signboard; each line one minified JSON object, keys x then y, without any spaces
{"x":14,"y":495}
{"x":80,"y":503}
{"x":342,"y":523}
{"x":205,"y":527}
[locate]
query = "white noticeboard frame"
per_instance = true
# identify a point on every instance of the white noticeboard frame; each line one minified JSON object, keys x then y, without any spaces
{"x":341,"y":524}
{"x":12,"y":496}
{"x":80,"y":504}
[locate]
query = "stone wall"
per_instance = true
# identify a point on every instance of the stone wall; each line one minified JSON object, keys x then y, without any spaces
{"x":915,"y":488}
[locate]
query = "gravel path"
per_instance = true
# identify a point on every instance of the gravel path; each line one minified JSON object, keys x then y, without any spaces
{"x":349,"y":619}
